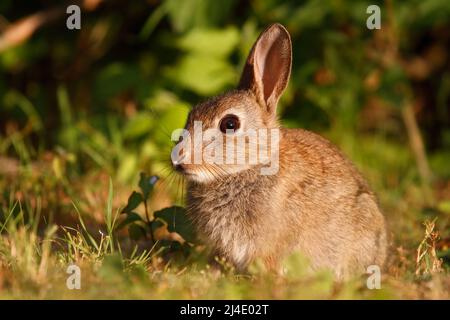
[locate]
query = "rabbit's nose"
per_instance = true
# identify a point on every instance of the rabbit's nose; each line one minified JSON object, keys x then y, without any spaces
{"x":178,"y":163}
{"x":179,"y":168}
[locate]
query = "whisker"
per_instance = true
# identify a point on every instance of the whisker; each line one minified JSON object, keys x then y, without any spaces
{"x":163,"y":183}
{"x":183,"y":186}
{"x":212,"y":172}
{"x":216,"y":172}
{"x":178,"y":189}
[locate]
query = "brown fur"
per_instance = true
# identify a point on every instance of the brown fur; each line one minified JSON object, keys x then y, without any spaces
{"x":317,"y":203}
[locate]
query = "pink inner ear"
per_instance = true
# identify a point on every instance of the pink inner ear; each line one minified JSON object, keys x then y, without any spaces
{"x":270,"y":62}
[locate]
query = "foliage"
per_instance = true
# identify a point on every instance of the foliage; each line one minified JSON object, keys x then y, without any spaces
{"x":83,"y":112}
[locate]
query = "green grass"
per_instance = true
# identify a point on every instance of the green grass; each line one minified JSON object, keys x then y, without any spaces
{"x":49,"y":221}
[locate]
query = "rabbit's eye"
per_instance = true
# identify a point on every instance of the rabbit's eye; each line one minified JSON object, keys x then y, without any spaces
{"x":229,"y":122}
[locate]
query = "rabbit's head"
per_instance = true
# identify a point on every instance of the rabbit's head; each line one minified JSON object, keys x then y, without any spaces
{"x":224,"y":134}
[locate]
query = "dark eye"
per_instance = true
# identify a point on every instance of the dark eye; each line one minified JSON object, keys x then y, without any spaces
{"x":229,"y":122}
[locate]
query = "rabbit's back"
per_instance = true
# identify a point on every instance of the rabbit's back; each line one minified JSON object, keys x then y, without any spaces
{"x":336,"y":214}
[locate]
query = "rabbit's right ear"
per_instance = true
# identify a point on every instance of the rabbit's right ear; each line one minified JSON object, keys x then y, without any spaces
{"x":268,"y":66}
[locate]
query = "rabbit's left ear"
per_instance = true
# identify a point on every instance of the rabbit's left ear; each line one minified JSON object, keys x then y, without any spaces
{"x":268,"y":66}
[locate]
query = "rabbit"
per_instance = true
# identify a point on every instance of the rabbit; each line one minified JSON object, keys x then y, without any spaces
{"x":315,"y":203}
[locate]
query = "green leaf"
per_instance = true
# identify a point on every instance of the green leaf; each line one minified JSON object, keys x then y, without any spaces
{"x":203,"y":74}
{"x":130,"y":218}
{"x":127,"y":168}
{"x":136,"y":232}
{"x":177,"y":221}
{"x":133,"y":201}
{"x":173,"y":118}
{"x":156,"y":224}
{"x":210,"y":42}
{"x":205,"y":68}
{"x":147,"y":184}
{"x":116,"y":78}
{"x":187,"y":14}
{"x":138,"y":125}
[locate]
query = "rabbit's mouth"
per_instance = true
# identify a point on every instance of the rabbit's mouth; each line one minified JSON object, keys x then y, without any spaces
{"x":188,"y":174}
{"x":185,"y":171}
{"x":195,"y":177}
{"x":199,"y":173}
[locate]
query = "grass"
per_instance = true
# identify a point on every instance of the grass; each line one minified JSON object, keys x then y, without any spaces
{"x":51,"y":218}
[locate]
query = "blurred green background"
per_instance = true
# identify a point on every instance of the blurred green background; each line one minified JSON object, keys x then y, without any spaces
{"x":105,"y":94}
{"x":77,"y":106}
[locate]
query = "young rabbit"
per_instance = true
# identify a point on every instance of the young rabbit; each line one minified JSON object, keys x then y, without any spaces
{"x":314,"y":201}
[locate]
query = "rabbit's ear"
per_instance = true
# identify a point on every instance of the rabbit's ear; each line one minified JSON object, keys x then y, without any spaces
{"x":268,"y":66}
